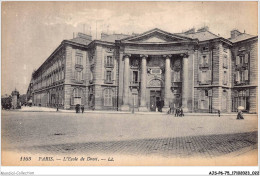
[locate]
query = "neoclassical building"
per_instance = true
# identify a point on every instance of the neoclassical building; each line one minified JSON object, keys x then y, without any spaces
{"x":196,"y":70}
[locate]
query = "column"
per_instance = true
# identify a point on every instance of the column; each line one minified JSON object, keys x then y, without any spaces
{"x":143,"y":106}
{"x":125,"y":106}
{"x":167,"y":84}
{"x":185,"y":83}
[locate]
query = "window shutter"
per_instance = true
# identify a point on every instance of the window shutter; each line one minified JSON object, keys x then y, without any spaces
{"x":246,"y":75}
{"x":201,"y":61}
{"x":112,"y":76}
{"x":105,"y":61}
{"x":105,"y":75}
{"x":238,"y":77}
{"x":247,"y":93}
{"x":140,"y":75}
{"x":112,"y":57}
{"x":81,"y":75}
{"x":207,"y":59}
{"x":209,"y":76}
{"x":199,"y":74}
{"x":237,"y":60}
{"x":246,"y":58}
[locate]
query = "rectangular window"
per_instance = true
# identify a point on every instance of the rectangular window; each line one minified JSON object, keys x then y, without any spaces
{"x":246,"y":75}
{"x":79,"y":75}
{"x":225,"y":61}
{"x":242,"y":59}
{"x":79,"y":59}
{"x":225,"y":78}
{"x":246,"y":58}
{"x":203,"y":99}
{"x":203,"y":76}
{"x":135,"y":76}
{"x":237,"y":60}
{"x":108,"y":76}
{"x":109,"y":61}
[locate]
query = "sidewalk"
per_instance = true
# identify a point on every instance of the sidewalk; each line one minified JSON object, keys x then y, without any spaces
{"x":47,"y":109}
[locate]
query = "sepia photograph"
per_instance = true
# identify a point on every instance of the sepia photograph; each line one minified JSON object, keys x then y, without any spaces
{"x":129,"y":83}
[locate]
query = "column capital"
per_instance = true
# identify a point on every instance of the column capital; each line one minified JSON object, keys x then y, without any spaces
{"x":184,"y":55}
{"x":167,"y":55}
{"x":143,"y":55}
{"x":126,"y":55}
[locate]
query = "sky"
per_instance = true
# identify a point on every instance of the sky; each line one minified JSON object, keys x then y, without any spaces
{"x":31,"y":31}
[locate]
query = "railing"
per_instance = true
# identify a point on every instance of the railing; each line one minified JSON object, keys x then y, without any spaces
{"x":204,"y":65}
{"x":134,"y":84}
{"x":78,"y":66}
{"x":108,"y":81}
{"x":109,"y":65}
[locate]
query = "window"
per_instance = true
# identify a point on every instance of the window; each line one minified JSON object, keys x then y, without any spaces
{"x":79,"y":59}
{"x":108,"y":99}
{"x":225,"y":61}
{"x":203,"y":99}
{"x":135,"y":76}
{"x":205,"y":76}
{"x":225,"y":78}
{"x":79,"y":75}
{"x":204,"y":61}
{"x":109,"y":76}
{"x":91,"y":75}
{"x":77,"y":94}
{"x":109,"y":61}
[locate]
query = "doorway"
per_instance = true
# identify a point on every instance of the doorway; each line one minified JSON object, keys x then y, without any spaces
{"x":155,"y":100}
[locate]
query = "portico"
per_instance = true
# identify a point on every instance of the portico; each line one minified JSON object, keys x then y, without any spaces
{"x":153,"y":82}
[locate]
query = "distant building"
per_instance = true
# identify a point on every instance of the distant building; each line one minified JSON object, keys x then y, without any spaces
{"x":198,"y":70}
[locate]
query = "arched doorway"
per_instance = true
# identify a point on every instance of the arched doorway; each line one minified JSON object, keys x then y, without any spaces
{"x":156,"y":99}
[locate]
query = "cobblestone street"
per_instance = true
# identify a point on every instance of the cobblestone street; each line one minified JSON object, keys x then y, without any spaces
{"x":127,"y":134}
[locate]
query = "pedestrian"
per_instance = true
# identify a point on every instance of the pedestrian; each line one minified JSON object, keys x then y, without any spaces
{"x":176,"y":112}
{"x":240,"y":115}
{"x":82,"y":109}
{"x":57,"y":107}
{"x":219,"y":113}
{"x":181,"y":112}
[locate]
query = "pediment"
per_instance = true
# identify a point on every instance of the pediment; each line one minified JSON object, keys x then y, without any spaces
{"x":156,"y":36}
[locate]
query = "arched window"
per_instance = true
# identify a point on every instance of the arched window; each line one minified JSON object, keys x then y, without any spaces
{"x":108,"y":98}
{"x":77,"y":95}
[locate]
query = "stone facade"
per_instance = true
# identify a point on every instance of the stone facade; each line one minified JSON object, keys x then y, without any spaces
{"x":150,"y":72}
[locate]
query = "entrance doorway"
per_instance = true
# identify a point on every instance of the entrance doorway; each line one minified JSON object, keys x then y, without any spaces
{"x":155,"y":100}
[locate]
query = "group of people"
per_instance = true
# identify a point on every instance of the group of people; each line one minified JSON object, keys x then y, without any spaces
{"x":178,"y":112}
{"x":77,"y":108}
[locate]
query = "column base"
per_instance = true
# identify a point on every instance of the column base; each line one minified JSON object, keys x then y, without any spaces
{"x":143,"y":109}
{"x":125,"y":108}
{"x":165,"y":109}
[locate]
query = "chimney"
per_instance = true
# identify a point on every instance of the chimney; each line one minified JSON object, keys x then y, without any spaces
{"x":103,"y":35}
{"x":190,"y":31}
{"x":234,"y":33}
{"x":84,"y":36}
{"x":203,"y":29}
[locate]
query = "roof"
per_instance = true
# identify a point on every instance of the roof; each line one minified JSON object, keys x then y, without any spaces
{"x":241,"y":37}
{"x":201,"y":36}
{"x":157,"y":32}
{"x":80,"y":41}
{"x":113,"y":37}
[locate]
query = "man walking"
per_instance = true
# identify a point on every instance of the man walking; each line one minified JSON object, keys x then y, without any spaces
{"x":82,"y":109}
